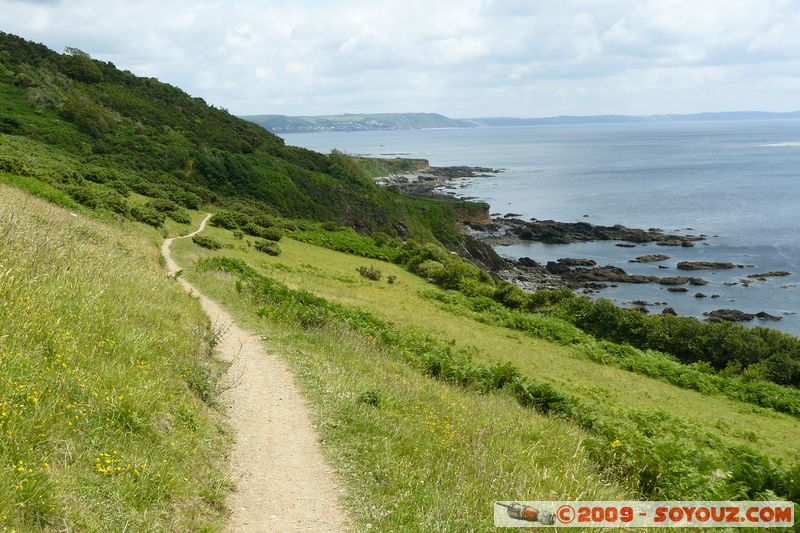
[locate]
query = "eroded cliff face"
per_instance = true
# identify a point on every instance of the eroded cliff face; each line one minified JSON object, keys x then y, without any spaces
{"x":475,"y":213}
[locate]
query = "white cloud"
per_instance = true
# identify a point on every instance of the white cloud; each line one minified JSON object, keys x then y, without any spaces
{"x":458,"y":57}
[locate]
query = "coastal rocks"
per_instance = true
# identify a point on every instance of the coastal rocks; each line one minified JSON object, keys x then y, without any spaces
{"x":527,"y":262}
{"x":704,"y":265}
{"x":610,"y":273}
{"x":675,"y":242}
{"x":625,"y":245}
{"x":557,"y":268}
{"x":699,"y":295}
{"x":576,"y":262}
{"x":553,"y":232}
{"x":677,"y":289}
{"x":426,"y":181}
{"x":649,"y":258}
{"x":770,"y":274}
{"x":680,"y":280}
{"x":669,"y":311}
{"x":603,"y":273}
{"x":734,"y":315}
{"x":481,"y":254}
{"x":729,"y":315}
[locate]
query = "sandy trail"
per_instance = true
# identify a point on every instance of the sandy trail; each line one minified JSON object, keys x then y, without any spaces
{"x":283,"y":482}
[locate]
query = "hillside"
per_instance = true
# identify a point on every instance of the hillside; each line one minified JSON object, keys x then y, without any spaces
{"x":113,"y":131}
{"x":108,"y":391}
{"x":354,"y":122}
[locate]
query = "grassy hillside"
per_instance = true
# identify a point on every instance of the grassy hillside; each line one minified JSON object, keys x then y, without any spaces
{"x":116,"y":132}
{"x":355,"y":122}
{"x":659,"y":439}
{"x":107,"y":387}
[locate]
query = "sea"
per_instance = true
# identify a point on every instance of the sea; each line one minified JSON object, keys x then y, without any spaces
{"x":736,"y":182}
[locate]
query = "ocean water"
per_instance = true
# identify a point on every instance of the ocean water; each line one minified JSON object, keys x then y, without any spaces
{"x":736,"y":182}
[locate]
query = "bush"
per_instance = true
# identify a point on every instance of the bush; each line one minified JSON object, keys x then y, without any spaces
{"x":370,"y":272}
{"x":187,"y":199}
{"x":163,"y":205}
{"x":238,"y":234}
{"x":224,"y":219}
{"x":114,"y":201}
{"x":181,"y":216}
{"x":391,"y":279}
{"x":268,"y":247}
{"x":207,"y":242}
{"x":370,"y":397}
{"x":148,"y":216}
{"x":271,"y":234}
{"x":85,"y":196}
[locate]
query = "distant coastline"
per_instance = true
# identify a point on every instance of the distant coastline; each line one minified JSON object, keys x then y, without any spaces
{"x":413,"y":121}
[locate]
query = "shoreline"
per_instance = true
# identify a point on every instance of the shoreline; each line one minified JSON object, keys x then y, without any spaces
{"x":578,"y":274}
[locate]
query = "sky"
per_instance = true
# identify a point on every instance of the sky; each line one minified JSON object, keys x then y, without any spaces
{"x":461,"y":58}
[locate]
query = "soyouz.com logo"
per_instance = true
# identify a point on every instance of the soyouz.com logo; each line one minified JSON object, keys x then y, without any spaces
{"x":644,"y":514}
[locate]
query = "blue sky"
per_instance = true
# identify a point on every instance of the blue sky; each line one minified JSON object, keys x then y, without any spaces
{"x":463,"y":58}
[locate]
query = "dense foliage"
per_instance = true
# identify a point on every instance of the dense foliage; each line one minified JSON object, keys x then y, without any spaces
{"x":124,"y":132}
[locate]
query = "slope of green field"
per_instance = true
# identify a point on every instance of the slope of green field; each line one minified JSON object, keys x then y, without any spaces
{"x":107,"y":385}
{"x":710,"y":426}
{"x":333,"y":275}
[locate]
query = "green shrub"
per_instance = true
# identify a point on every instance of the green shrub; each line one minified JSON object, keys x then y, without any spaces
{"x":224,"y":219}
{"x":85,"y":196}
{"x":370,"y":272}
{"x":370,"y":397}
{"x":148,"y":215}
{"x":271,"y":234}
{"x":391,"y":279}
{"x":181,"y":216}
{"x":238,"y":234}
{"x":268,"y":247}
{"x":207,"y":242}
{"x":187,"y":199}
{"x":163,"y":205}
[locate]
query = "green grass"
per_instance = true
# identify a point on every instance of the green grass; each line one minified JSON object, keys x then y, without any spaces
{"x":429,"y":456}
{"x":333,"y":275}
{"x":40,"y":189}
{"x":103,"y":363}
{"x":663,"y":450}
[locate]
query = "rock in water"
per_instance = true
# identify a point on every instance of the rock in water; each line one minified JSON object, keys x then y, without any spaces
{"x":770,"y":274}
{"x":704,"y":265}
{"x":576,"y":262}
{"x":730,"y":315}
{"x":649,"y":258}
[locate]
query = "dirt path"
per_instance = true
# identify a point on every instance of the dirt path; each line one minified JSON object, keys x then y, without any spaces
{"x":283,"y":482}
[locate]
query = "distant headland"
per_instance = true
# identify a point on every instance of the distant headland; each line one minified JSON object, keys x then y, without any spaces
{"x":413,"y":121}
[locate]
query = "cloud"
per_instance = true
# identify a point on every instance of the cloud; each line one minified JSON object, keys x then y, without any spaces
{"x":461,"y":58}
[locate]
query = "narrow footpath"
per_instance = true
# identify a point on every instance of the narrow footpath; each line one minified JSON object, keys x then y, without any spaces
{"x":283,"y":482}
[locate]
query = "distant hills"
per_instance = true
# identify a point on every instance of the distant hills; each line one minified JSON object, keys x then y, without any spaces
{"x":410,"y":121}
{"x":355,"y":122}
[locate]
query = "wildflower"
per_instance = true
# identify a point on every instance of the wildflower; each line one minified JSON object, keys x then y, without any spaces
{"x":616,"y":443}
